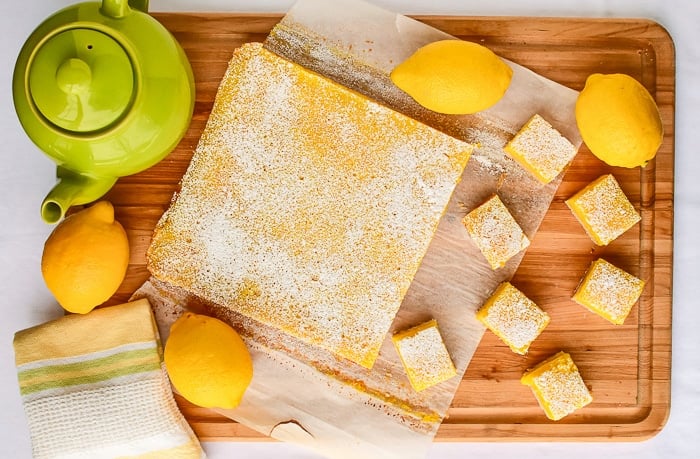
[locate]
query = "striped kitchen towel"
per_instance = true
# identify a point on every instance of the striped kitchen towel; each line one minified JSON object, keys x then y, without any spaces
{"x":93,"y":386}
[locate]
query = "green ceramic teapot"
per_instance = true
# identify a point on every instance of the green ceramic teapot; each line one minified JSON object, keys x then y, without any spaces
{"x":105,"y":91}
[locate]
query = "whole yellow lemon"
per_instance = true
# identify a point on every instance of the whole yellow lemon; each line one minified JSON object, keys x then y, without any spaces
{"x":85,"y":258}
{"x":454,"y":77}
{"x":207,"y":361}
{"x":618,"y":119}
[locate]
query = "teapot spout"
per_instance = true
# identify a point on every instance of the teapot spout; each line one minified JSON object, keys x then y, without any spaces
{"x":72,"y":189}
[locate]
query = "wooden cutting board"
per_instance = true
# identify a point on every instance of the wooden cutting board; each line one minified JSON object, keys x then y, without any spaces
{"x":626,"y":367}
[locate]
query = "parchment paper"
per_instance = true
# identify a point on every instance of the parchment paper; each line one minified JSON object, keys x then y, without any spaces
{"x":306,"y":395}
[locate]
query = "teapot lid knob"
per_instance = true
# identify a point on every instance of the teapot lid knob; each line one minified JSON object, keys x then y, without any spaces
{"x":74,"y":76}
{"x":81,"y":80}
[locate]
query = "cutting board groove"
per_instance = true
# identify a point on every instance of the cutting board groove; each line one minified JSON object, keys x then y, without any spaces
{"x":627,"y":367}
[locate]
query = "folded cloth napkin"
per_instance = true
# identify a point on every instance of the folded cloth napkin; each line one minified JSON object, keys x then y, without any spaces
{"x":93,"y":386}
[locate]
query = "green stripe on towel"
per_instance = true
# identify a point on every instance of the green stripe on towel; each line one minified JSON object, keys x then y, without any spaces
{"x":90,"y":379}
{"x":88,"y":370}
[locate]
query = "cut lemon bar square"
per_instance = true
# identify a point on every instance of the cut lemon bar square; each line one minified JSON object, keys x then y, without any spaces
{"x":558,"y":386}
{"x":513,"y":317}
{"x":541,"y":149}
{"x":495,"y":232}
{"x":608,"y":291}
{"x":603,"y":210}
{"x":424,"y":355}
{"x":306,"y":207}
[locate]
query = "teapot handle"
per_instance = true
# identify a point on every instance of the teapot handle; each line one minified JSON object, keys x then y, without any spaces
{"x":119,"y":8}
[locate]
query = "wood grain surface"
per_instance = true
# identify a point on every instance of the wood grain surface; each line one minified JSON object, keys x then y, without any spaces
{"x":627,"y":367}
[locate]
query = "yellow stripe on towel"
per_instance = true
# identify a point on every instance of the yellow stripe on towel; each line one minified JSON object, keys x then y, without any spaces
{"x":39,"y":343}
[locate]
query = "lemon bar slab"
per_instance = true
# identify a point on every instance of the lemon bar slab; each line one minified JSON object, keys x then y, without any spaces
{"x":513,"y":317}
{"x":558,"y":386}
{"x":608,"y":291}
{"x":603,"y":210}
{"x":306,"y":206}
{"x":541,"y":149}
{"x":424,"y":355}
{"x":495,"y":232}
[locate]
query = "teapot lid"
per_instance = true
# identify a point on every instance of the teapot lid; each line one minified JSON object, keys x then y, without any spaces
{"x":81,"y":80}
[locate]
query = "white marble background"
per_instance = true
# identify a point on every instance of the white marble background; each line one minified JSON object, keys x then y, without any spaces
{"x":24,"y":301}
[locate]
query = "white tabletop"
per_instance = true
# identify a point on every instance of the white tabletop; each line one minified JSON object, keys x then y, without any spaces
{"x":26,"y":302}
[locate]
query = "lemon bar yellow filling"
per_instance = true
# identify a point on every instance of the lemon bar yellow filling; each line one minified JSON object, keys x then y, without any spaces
{"x":495,"y":232}
{"x":541,"y":149}
{"x":513,"y":317}
{"x":609,"y":291}
{"x":424,"y":355}
{"x":558,"y":386}
{"x":603,"y":209}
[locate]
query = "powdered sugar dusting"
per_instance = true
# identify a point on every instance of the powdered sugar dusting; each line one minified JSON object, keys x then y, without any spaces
{"x":609,"y":291}
{"x":494,"y":230}
{"x":604,"y":210}
{"x":513,"y":317}
{"x":559,"y":387}
{"x":306,"y":206}
{"x":541,"y":149}
{"x":424,"y":355}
